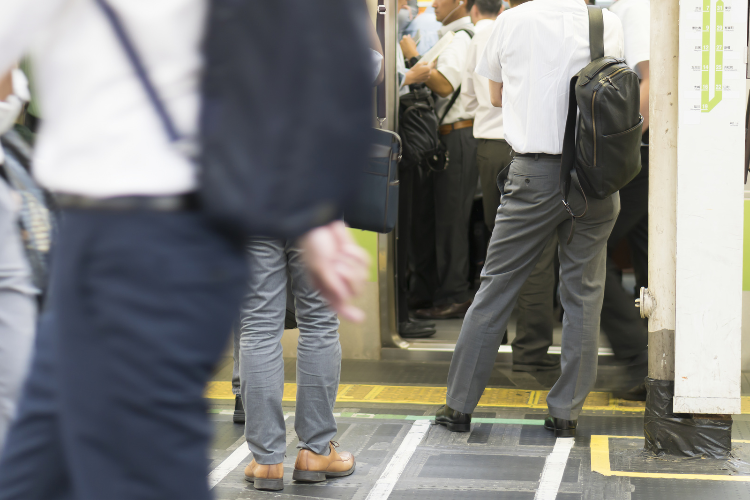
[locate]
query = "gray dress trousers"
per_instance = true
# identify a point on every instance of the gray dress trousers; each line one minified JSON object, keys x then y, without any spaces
{"x":17,"y":311}
{"x":530,"y":213}
{"x":261,"y":362}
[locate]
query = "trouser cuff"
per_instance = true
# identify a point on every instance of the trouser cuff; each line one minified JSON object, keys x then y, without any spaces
{"x":462,"y":406}
{"x":565,"y":414}
{"x":272,"y":459}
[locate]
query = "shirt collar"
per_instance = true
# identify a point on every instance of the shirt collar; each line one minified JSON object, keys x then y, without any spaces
{"x":464,"y":22}
{"x":482,"y":23}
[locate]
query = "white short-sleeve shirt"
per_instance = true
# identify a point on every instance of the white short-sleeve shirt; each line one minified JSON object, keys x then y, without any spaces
{"x":451,"y":65}
{"x":534,"y":50}
{"x":636,"y":25}
{"x":475,"y":89}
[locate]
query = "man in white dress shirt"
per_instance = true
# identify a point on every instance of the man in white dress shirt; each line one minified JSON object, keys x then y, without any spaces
{"x":535,"y":321}
{"x":144,"y":288}
{"x":621,"y":323}
{"x":534,"y":51}
{"x":443,"y":209}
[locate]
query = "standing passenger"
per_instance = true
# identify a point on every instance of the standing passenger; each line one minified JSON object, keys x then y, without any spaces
{"x":621,"y":322}
{"x":529,"y":77}
{"x":144,"y":285}
{"x":18,"y":297}
{"x":535,"y":322}
{"x":443,"y":208}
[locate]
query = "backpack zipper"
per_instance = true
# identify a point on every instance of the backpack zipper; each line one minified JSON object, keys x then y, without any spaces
{"x":604,"y":80}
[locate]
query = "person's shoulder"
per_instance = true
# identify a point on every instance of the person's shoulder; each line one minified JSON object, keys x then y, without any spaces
{"x":622,"y":8}
{"x":611,"y":21}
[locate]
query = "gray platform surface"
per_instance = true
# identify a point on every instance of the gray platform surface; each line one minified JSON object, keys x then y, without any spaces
{"x":493,"y":461}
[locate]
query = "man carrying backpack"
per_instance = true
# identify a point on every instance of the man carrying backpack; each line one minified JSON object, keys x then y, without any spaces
{"x":442,"y":206}
{"x":147,"y":278}
{"x":530,"y":77}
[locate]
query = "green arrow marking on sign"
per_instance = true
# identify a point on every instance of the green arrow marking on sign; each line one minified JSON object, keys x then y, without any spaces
{"x":707,"y":104}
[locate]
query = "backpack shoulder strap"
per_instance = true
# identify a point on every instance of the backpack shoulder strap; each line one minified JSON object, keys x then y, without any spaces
{"x":596,"y":33}
{"x":140,"y":70}
{"x":457,"y":92}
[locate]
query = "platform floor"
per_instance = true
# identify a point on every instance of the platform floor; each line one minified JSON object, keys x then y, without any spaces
{"x":507,"y":455}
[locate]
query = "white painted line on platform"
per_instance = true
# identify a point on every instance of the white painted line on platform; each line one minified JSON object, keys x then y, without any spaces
{"x":229,"y":464}
{"x":554,"y":467}
{"x":396,"y":466}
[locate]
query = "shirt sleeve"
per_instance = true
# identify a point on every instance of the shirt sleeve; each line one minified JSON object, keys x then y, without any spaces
{"x":636,"y":26}
{"x":20,"y":21}
{"x":468,"y":92}
{"x":614,"y":45}
{"x":451,"y":62}
{"x":489,"y":63}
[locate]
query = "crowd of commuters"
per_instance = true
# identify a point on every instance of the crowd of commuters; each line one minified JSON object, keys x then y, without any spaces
{"x":145,"y":286}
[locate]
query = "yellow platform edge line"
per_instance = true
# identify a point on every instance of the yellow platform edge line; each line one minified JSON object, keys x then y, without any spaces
{"x":384,"y":394}
{"x":396,"y":394}
{"x":600,"y":463}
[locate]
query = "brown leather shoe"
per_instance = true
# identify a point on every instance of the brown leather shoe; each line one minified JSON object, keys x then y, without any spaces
{"x":449,"y":311}
{"x":265,"y":477}
{"x":313,"y":468}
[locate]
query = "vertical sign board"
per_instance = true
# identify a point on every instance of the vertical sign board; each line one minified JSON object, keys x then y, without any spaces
{"x":710,"y":192}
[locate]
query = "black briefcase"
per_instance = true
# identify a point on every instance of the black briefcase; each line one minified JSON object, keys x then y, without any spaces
{"x":376,"y":207}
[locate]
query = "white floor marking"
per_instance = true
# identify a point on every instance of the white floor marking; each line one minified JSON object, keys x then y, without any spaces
{"x":229,"y":464}
{"x":396,"y":466}
{"x":554,"y":467}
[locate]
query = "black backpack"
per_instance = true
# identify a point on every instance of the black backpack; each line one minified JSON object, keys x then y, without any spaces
{"x":285,"y":125}
{"x":418,"y":126}
{"x":605,"y":152}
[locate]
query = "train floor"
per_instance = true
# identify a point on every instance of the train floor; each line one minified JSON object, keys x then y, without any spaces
{"x":384,"y":412}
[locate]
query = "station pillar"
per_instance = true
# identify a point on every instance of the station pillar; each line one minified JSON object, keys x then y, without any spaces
{"x":694,"y":296}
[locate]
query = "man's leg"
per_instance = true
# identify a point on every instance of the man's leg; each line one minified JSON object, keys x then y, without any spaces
{"x":492,"y":158}
{"x":621,"y":323}
{"x":455,"y":188}
{"x":261,"y":355}
{"x":144,"y":309}
{"x":17,"y":311}
{"x":582,"y":274}
{"x":34,"y":442}
{"x":236,"y":361}
{"x":318,"y":361}
{"x":535,"y":315}
{"x":422,"y":246}
{"x":529,"y":212}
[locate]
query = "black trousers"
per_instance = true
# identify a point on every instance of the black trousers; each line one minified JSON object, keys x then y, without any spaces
{"x":140,"y":309}
{"x":440,"y":221}
{"x":622,"y":324}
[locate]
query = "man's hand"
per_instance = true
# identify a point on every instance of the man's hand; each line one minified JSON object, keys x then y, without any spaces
{"x":409,"y":47}
{"x":338,"y":267}
{"x":6,"y":85}
{"x":420,"y":73}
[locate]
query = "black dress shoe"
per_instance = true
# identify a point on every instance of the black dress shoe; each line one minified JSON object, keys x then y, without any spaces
{"x":416,"y":329}
{"x":454,"y":420}
{"x":561,"y":427}
{"x":637,"y":393}
{"x":239,"y":411}
{"x":448,"y":311}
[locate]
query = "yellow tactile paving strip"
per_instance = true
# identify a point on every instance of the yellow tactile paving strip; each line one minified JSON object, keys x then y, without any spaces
{"x":424,"y":395}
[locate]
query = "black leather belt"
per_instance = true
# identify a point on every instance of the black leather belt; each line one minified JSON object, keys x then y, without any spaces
{"x":122,"y":203}
{"x":537,"y":156}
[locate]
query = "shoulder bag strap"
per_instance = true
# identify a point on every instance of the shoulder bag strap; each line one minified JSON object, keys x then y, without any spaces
{"x":380,"y":92}
{"x":567,"y":164}
{"x":140,"y":70}
{"x":596,"y":33}
{"x":457,"y":92}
